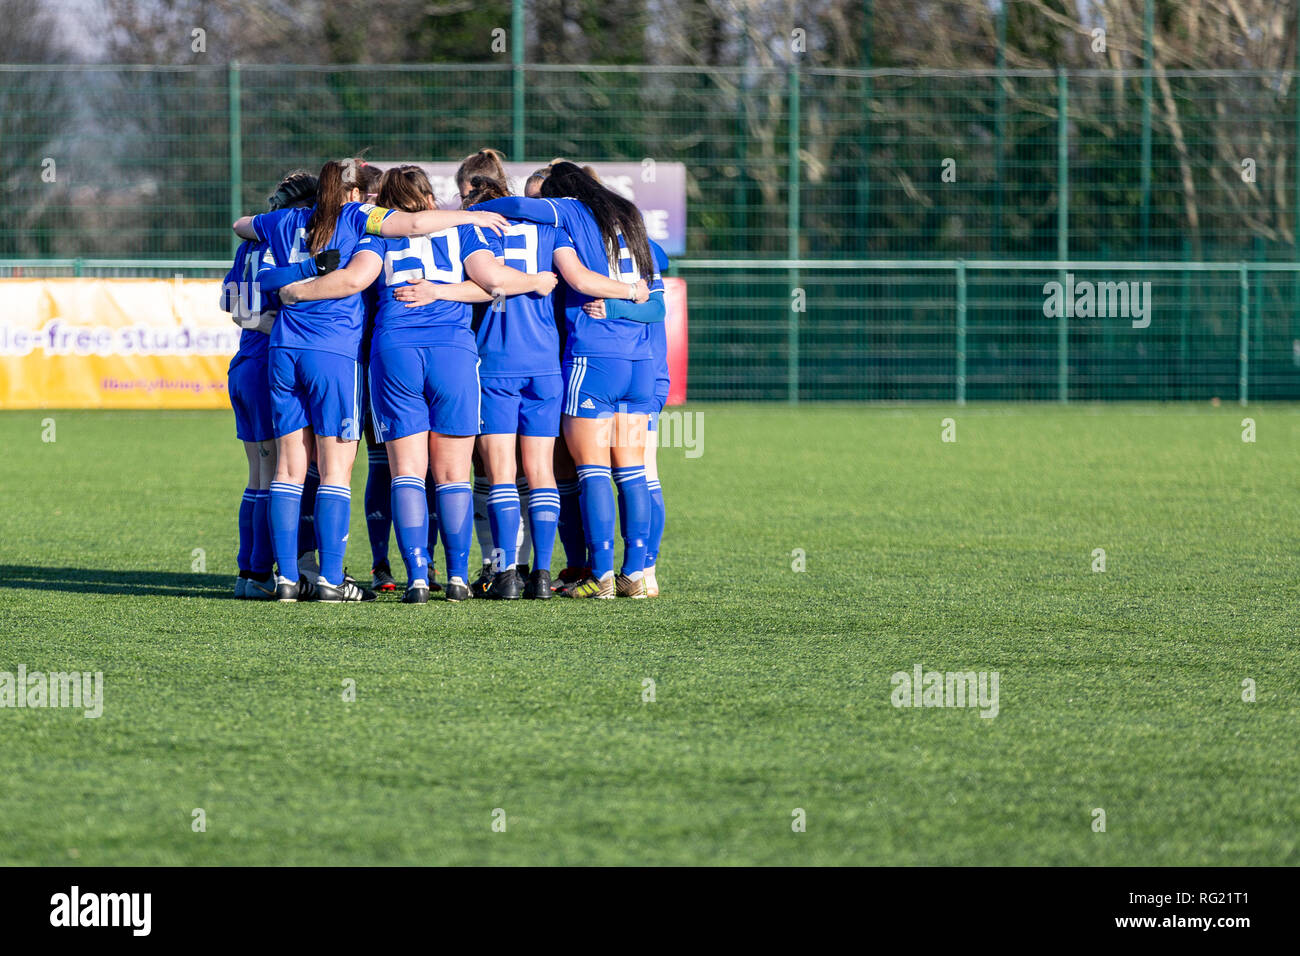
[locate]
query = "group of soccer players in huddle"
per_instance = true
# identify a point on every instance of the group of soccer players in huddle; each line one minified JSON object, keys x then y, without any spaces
{"x":448,"y":339}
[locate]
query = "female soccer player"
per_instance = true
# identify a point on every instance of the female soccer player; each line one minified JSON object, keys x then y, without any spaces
{"x":489,"y":163}
{"x":522,"y":391}
{"x":566,"y":474}
{"x":609,"y":369}
{"x":652,"y":312}
{"x":314,"y":371}
{"x":379,"y":479}
{"x":424,"y":370}
{"x":533,"y":184}
{"x":379,"y":520}
{"x":250,"y":393}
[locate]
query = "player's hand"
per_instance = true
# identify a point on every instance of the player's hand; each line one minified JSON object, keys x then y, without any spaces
{"x":595,"y":308}
{"x":413,"y":294}
{"x":326,"y":262}
{"x":288,"y":294}
{"x":641,"y":293}
{"x":545,"y":283}
{"x":490,"y":220}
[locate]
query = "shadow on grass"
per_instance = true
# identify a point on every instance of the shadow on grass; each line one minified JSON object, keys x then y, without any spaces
{"x":110,"y":581}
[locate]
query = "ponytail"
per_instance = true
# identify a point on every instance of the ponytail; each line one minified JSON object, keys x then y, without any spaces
{"x":298,"y":188}
{"x":613,"y":213}
{"x":486,"y":162}
{"x":337,"y":179}
{"x":483,"y":189}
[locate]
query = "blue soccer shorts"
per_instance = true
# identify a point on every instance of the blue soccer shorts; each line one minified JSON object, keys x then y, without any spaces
{"x":317,"y":389}
{"x":417,"y":389}
{"x":597,"y":386}
{"x":250,"y":397}
{"x":657,"y":406}
{"x":372,"y":435}
{"x":528,"y":405}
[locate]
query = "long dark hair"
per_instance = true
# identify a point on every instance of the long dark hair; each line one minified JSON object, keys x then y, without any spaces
{"x":368,"y":177}
{"x":338,"y":177}
{"x":297,"y":188}
{"x":613,"y":213}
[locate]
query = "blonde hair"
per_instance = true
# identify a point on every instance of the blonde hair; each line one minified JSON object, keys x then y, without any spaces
{"x":486,"y":162}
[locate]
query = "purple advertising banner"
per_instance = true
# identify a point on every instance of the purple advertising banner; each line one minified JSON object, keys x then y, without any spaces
{"x":658,"y":189}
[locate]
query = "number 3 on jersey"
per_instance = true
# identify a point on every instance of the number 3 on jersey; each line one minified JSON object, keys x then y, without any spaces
{"x":520,"y":247}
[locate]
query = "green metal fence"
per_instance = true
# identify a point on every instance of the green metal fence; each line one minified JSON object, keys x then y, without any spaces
{"x":946,"y":330}
{"x":956,"y":330}
{"x":864,"y":189}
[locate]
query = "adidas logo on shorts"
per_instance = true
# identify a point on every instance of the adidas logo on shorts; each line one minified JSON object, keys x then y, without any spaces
{"x":587,"y":404}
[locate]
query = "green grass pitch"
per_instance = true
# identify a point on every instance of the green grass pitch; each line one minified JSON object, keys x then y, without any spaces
{"x":1119,"y":690}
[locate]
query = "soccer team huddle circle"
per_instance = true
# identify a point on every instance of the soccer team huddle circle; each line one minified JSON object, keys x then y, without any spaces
{"x":506,"y":363}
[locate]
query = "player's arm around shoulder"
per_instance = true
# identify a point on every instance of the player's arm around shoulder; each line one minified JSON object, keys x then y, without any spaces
{"x":500,"y":279}
{"x":594,"y":284}
{"x":362,"y":269}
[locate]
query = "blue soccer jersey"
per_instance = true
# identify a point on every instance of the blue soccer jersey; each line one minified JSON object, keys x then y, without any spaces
{"x":241,"y":297}
{"x":654,"y":313}
{"x":521,"y":339}
{"x":659,"y":346}
{"x":612,"y":338}
{"x":370,"y":301}
{"x":439,"y":257}
{"x":327,"y":325}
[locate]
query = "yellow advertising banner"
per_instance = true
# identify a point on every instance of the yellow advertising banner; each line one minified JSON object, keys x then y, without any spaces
{"x":114,"y":343}
{"x":153,"y":343}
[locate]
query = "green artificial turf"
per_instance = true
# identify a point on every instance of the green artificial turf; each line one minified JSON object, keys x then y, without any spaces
{"x":1119,"y":690}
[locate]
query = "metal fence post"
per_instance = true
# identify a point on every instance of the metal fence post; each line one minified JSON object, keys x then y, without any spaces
{"x":1062,"y":228}
{"x":1184,"y":310}
{"x":961,"y":331}
{"x":517,"y":75}
{"x":1258,"y":299}
{"x":792,"y":231}
{"x":1243,"y":352}
{"x":236,"y":147}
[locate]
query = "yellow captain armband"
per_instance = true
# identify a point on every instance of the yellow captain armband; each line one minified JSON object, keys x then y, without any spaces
{"x":375,"y":218}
